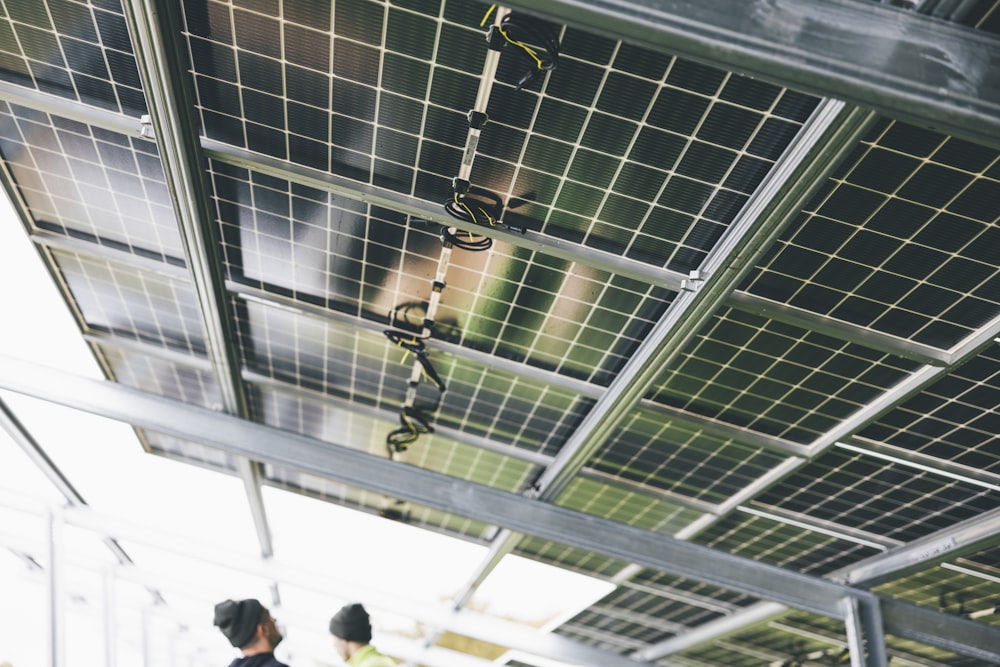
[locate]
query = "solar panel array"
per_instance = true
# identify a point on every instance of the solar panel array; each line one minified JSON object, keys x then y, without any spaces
{"x":839,"y":401}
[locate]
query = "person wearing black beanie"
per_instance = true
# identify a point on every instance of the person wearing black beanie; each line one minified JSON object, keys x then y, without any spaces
{"x":352,"y":631}
{"x":249,"y":626}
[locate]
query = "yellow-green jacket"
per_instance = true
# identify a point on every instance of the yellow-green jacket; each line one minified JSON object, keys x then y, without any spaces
{"x":367,"y":656}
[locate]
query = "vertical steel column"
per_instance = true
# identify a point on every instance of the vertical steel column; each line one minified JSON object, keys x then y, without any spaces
{"x":147,"y":654}
{"x":865,"y":636}
{"x":54,"y":586}
{"x":110,"y":602}
{"x":156,"y":37}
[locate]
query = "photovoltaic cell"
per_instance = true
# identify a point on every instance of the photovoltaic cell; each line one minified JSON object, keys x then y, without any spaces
{"x":651,"y":449}
{"x":902,"y":240}
{"x":953,"y":419}
{"x":775,"y":378}
{"x":133,"y":303}
{"x":783,"y":544}
{"x":577,"y":560}
{"x":621,"y":504}
{"x":90,"y":183}
{"x":188,"y":383}
{"x":71,"y":49}
{"x":878,"y":497}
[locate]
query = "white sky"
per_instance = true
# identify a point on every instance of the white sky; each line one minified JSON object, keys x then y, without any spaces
{"x":105,"y":463}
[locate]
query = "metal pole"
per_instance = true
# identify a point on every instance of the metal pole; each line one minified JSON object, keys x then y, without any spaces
{"x":54,"y":586}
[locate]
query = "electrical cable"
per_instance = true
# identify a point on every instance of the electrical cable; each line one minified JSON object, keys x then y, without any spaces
{"x":476,"y":206}
{"x":518,"y":30}
{"x":413,"y":423}
{"x":415,"y":344}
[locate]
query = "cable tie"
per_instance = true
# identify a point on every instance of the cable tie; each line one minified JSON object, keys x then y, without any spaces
{"x":460,"y":186}
{"x":495,"y":40}
{"x":476,"y":119}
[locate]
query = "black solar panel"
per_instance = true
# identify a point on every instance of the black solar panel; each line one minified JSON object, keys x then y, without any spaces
{"x":824,"y":396}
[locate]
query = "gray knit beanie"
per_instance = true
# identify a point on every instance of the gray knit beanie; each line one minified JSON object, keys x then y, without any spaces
{"x":238,"y":620}
{"x":352,"y":624}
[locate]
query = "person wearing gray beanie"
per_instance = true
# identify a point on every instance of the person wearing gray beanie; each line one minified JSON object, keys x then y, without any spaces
{"x":249,"y":626}
{"x":352,"y":631}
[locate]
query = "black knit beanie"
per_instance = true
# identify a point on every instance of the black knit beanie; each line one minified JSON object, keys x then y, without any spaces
{"x":351,"y":624}
{"x":238,"y":620}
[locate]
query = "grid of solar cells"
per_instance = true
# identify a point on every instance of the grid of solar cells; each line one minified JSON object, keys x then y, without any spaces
{"x":327,"y":85}
{"x":163,"y":377}
{"x":623,"y":628}
{"x":508,"y":408}
{"x":810,"y":625}
{"x":91,"y":183}
{"x":571,"y":558}
{"x":631,"y":151}
{"x":780,"y":641}
{"x":783,"y":544}
{"x":596,"y":629}
{"x":621,"y":504}
{"x":133,"y":303}
{"x":362,"y":365}
{"x":958,"y":592}
{"x":347,"y":428}
{"x":639,"y":613}
{"x":954,"y":419}
{"x":986,"y":561}
{"x":77,"y":50}
{"x":387,"y":507}
{"x":651,"y":449}
{"x":776,"y":378}
{"x":368,"y":261}
{"x":324,"y":249}
{"x":550,"y":313}
{"x":878,"y":497}
{"x":325,"y":356}
{"x":720,"y":653}
{"x":902,"y":240}
{"x":189,"y":452}
{"x":647,"y":588}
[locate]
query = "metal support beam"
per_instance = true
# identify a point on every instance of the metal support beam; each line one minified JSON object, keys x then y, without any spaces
{"x":545,"y":520}
{"x":901,"y":64}
{"x":156,"y":37}
{"x":19,"y":434}
{"x":792,"y":180}
{"x":969,"y":536}
{"x":961,"y":636}
{"x":864,"y":635}
{"x":647,"y":273}
{"x":966,"y":537}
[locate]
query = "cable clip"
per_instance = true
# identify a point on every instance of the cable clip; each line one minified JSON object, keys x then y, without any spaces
{"x":693,"y":282}
{"x":476,"y":119}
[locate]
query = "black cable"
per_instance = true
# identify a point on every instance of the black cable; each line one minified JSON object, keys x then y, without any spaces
{"x":472,"y":205}
{"x":400,"y":315}
{"x":533,"y":39}
{"x":415,"y":344}
{"x":413,"y":424}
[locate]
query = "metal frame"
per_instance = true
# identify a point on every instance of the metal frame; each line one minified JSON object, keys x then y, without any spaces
{"x":895,"y":62}
{"x":242,"y":438}
{"x":171,"y":114}
{"x":902,"y":64}
{"x":590,"y":257}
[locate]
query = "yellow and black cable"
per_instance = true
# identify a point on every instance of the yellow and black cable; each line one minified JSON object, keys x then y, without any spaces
{"x":531,"y":38}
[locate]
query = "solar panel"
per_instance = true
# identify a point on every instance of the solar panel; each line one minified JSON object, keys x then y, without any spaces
{"x":828,"y":394}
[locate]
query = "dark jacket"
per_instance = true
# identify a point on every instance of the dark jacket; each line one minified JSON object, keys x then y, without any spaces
{"x":259,"y":660}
